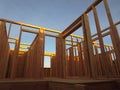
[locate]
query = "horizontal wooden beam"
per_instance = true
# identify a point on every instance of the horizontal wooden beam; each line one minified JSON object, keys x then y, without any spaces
{"x":30,"y":31}
{"x":71,"y":41}
{"x":29,"y":25}
{"x":24,"y":51}
{"x":97,"y":43}
{"x":77,"y":36}
{"x":117,"y":23}
{"x":51,"y":35}
{"x":21,"y":43}
{"x":20,"y":23}
{"x":103,"y":35}
{"x":13,"y":38}
{"x":93,"y":5}
{"x":78,"y":22}
{"x":70,"y":29}
{"x":36,"y":32}
{"x":51,"y":30}
{"x":49,"y":54}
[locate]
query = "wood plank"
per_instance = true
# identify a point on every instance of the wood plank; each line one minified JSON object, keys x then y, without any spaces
{"x":98,"y":62}
{"x":113,"y":33}
{"x":78,"y":22}
{"x":9,"y":29}
{"x":4,"y":51}
{"x":89,"y":48}
{"x":35,"y":58}
{"x":81,"y":67}
{"x":101,"y":43}
{"x":72,"y":57}
{"x":15,"y":56}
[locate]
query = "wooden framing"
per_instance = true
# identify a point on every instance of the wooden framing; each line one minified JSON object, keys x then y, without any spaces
{"x":78,"y":22}
{"x":84,"y":58}
{"x":113,"y":33}
{"x":88,"y":46}
{"x":101,"y":43}
{"x":35,"y":58}
{"x":61,"y":57}
{"x":4,"y":50}
{"x":15,"y":56}
{"x":81,"y":64}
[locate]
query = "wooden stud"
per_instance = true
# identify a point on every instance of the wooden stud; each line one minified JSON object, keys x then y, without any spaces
{"x":9,"y":29}
{"x":113,"y":33}
{"x":103,"y":54}
{"x":88,"y":47}
{"x":15,"y":57}
{"x":81,"y":65}
{"x":4,"y":51}
{"x":98,"y":62}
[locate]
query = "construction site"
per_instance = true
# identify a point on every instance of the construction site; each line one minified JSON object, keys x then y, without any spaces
{"x":85,"y":62}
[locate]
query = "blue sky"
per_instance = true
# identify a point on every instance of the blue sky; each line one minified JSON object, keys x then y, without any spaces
{"x":57,"y":14}
{"x":54,"y":14}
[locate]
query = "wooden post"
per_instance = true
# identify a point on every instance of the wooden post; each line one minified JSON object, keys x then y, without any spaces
{"x":61,"y":57}
{"x":103,"y":54}
{"x":110,"y":61}
{"x":15,"y":57}
{"x":9,"y":30}
{"x":114,"y":34}
{"x":67,"y":62}
{"x":81,"y":66}
{"x":64,"y":57}
{"x":76,"y":62}
{"x":71,"y":61}
{"x":41,"y":53}
{"x":4,"y":50}
{"x":52,"y":66}
{"x":98,"y":62}
{"x":88,"y":47}
{"x":58,"y":57}
{"x":35,"y":57}
{"x":72,"y":58}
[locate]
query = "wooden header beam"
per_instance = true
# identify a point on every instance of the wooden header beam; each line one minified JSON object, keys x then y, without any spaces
{"x":36,"y":27}
{"x":20,"y":23}
{"x":29,"y":25}
{"x":94,"y":4}
{"x":30,"y":31}
{"x":74,"y":26}
{"x":117,"y":23}
{"x":24,"y":51}
{"x":78,"y":22}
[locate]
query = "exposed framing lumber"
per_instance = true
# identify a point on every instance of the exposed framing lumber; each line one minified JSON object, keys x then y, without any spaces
{"x":15,"y":57}
{"x":72,"y":58}
{"x":35,"y":57}
{"x":29,"y":25}
{"x":9,"y":29}
{"x":113,"y":33}
{"x":30,"y":31}
{"x":98,"y":61}
{"x":78,"y":22}
{"x":74,"y":26}
{"x":61,"y":57}
{"x":4,"y":50}
{"x":102,"y":31}
{"x":103,"y":35}
{"x":101,"y":43}
{"x":81,"y":65}
{"x":113,"y":30}
{"x":89,"y":62}
{"x":13,"y":38}
{"x":88,"y":47}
